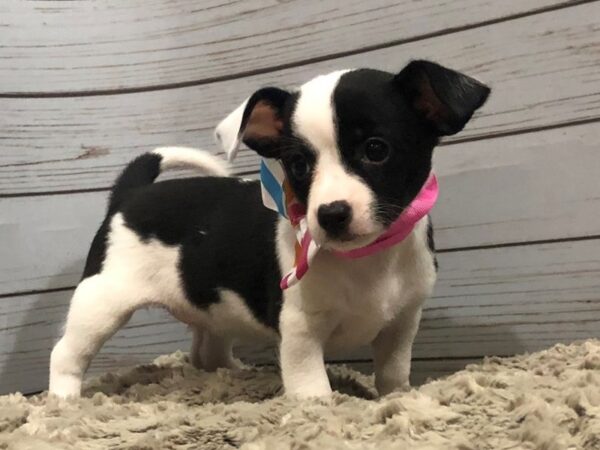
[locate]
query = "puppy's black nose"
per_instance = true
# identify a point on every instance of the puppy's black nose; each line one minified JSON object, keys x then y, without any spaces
{"x":335,"y":217}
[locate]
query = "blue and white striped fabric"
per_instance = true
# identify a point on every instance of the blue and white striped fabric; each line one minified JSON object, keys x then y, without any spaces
{"x":272,"y":177}
{"x":278,"y":196}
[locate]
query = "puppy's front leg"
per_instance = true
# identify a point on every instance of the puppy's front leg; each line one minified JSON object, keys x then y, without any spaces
{"x":393,"y":350}
{"x":303,"y":337}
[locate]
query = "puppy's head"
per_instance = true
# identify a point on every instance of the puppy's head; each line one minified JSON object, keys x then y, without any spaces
{"x":356,"y":145}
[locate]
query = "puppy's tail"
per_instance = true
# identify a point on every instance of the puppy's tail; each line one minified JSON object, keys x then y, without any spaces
{"x":144,"y":169}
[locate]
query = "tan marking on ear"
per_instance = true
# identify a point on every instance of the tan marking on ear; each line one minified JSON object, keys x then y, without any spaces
{"x":263,"y":123}
{"x":429,"y":104}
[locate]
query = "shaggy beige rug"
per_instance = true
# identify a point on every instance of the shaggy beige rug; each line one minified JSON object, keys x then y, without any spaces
{"x":548,"y":400}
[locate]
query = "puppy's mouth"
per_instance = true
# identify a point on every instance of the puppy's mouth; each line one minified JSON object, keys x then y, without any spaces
{"x":360,"y":232}
{"x":348,"y":241}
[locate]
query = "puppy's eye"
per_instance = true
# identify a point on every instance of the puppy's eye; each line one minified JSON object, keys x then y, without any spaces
{"x":376,"y":151}
{"x":299,"y":168}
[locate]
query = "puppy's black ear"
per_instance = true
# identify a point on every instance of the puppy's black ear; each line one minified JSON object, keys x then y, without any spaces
{"x":258,"y":123}
{"x":445,"y":98}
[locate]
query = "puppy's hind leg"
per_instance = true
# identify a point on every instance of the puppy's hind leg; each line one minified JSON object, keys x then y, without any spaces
{"x":98,"y":309}
{"x":211,"y":352}
{"x":195,"y":351}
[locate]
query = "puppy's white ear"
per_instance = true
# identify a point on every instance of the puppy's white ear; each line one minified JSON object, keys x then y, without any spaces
{"x":227,"y":133}
{"x":258,"y":123}
{"x":446,"y":99}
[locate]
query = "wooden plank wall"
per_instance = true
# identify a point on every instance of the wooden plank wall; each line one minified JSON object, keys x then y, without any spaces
{"x":86,"y":86}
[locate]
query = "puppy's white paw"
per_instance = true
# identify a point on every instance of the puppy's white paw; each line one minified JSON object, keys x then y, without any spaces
{"x":212,"y":364}
{"x":308,"y":391}
{"x":64,"y":378}
{"x":65,"y":386}
{"x":236,"y":364}
{"x":385,"y":388}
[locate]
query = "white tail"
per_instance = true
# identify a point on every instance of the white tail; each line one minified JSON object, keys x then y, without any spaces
{"x":187,"y":157}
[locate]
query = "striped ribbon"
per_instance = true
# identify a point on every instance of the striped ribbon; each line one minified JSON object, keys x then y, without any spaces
{"x":278,"y":196}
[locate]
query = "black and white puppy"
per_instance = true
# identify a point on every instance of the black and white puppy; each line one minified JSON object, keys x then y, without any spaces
{"x":207,"y":250}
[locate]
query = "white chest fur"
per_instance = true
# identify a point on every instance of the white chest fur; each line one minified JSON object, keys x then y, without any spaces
{"x":361,"y":296}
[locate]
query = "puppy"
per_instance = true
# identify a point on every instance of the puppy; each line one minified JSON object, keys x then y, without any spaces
{"x":332,"y":271}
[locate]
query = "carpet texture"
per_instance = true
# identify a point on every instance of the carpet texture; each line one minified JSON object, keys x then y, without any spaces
{"x":548,"y":400}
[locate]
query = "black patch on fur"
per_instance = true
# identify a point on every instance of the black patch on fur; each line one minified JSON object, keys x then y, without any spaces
{"x":408,"y":112}
{"x":292,"y":148}
{"x":431,"y":242}
{"x":97,"y":253}
{"x":446,"y":99}
{"x":225,"y":234}
{"x":298,"y":150}
{"x":368,"y":104}
{"x":142,"y":171}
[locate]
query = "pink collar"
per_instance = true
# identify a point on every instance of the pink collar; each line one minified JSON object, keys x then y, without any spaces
{"x":403,"y":225}
{"x":306,"y":248}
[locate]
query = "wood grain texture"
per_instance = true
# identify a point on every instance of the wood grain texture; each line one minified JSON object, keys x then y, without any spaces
{"x":56,"y":46}
{"x":488,"y":302}
{"x":510,"y":300}
{"x":542,"y":68}
{"x":521,"y":188}
{"x":505,"y":190}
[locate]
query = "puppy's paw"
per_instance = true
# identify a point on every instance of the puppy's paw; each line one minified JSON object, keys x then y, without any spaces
{"x":65,"y":386}
{"x":308,"y":391}
{"x":236,"y":364}
{"x":195,"y":360}
{"x":384,"y":389}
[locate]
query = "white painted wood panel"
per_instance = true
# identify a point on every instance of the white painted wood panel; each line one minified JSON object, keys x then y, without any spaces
{"x":543,"y":69}
{"x":510,"y":300}
{"x":57,"y":46}
{"x":521,"y":188}
{"x":45,"y":240}
{"x":536,"y":186}
{"x":487,"y":302}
